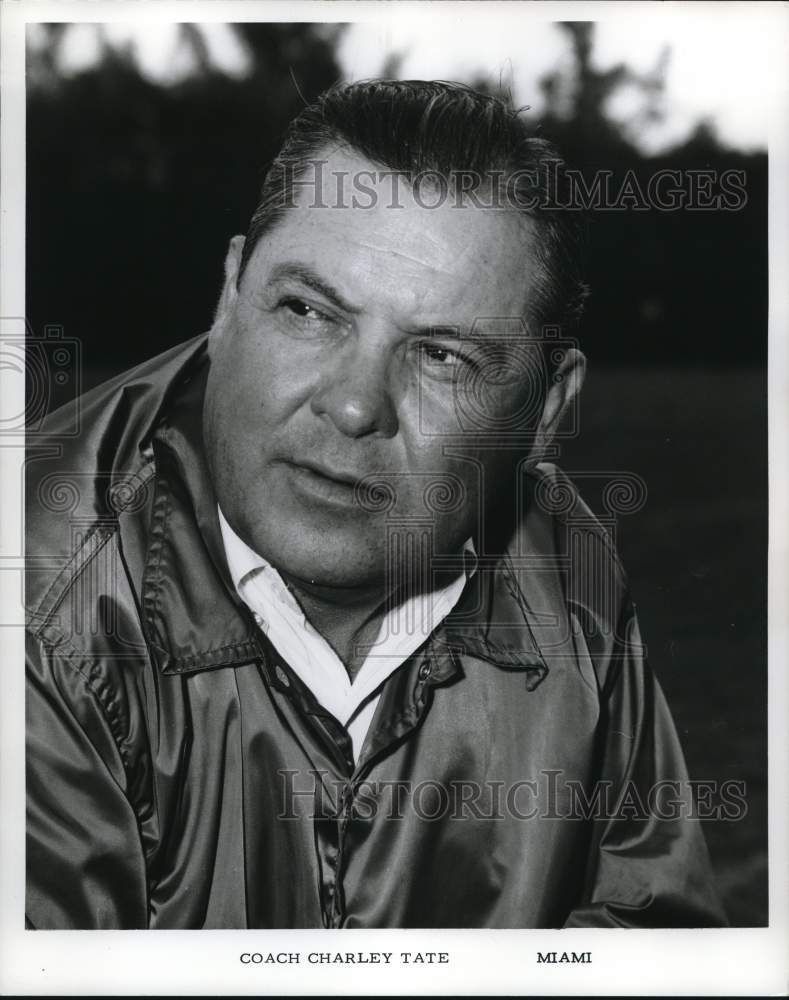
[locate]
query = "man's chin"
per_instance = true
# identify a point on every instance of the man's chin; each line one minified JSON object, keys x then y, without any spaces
{"x":337,"y":567}
{"x":337,"y":579}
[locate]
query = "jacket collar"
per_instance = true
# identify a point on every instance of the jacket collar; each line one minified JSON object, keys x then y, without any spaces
{"x":194,"y":619}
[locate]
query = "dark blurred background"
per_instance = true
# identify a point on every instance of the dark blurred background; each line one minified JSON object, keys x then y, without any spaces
{"x":135,"y":184}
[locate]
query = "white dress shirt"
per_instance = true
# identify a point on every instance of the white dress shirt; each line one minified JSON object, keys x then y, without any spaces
{"x":278,"y":614}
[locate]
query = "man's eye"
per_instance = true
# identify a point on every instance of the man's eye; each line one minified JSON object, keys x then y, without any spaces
{"x":443,"y":356}
{"x":301,"y":309}
{"x":443,"y":362}
{"x":302,"y":319}
{"x":439,"y":354}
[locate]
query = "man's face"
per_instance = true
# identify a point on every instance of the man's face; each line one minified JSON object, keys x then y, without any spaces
{"x":358,"y":345}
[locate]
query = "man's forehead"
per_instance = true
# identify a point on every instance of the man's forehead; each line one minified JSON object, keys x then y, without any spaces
{"x":387,"y":244}
{"x":354,"y":222}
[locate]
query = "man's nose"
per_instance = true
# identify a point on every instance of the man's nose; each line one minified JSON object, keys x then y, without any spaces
{"x":355,"y":395}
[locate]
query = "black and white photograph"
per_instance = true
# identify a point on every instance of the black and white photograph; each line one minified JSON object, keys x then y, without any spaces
{"x":394,"y":489}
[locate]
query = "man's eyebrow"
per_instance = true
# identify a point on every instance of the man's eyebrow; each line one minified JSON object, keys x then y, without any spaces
{"x":294,"y":271}
{"x":306,"y":276}
{"x":446,"y":331}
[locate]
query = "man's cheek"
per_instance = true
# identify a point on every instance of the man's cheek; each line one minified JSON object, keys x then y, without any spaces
{"x":264,"y":391}
{"x":446,"y":489}
{"x":287,"y":378}
{"x":434,"y":412}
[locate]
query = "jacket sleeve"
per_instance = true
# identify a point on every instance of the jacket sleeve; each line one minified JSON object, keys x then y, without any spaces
{"x":85,"y":863}
{"x":648,"y":863}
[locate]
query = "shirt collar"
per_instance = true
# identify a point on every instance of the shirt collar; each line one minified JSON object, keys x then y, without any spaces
{"x":403,"y":628}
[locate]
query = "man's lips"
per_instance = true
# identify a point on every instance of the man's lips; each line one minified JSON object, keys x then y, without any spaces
{"x":317,"y":485}
{"x":348,"y":479}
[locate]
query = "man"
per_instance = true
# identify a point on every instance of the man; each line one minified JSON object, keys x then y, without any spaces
{"x":311,"y":642}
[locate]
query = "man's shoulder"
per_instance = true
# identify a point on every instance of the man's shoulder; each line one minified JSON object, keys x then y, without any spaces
{"x":110,"y":422}
{"x":555,"y":498}
{"x":90,"y":464}
{"x":579,"y":543}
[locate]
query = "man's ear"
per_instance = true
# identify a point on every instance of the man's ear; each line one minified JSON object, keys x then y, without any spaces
{"x":566,"y":383}
{"x":227,"y":299}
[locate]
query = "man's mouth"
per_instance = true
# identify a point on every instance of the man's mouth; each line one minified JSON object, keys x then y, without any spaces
{"x":334,"y":475}
{"x":319,"y":484}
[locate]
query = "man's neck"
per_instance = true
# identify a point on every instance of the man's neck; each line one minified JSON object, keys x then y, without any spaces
{"x":349,"y":619}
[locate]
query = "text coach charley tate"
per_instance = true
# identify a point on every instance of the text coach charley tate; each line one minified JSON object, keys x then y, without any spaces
{"x":321,"y":638}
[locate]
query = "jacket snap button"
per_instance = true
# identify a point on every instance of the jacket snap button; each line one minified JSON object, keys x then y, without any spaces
{"x":282,"y":677}
{"x":425,"y":670}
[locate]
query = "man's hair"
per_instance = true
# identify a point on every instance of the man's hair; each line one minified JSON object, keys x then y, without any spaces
{"x":417,"y":127}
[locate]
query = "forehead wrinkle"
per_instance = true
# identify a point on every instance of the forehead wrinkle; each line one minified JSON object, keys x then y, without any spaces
{"x":446,"y":296}
{"x":367,"y":262}
{"x":390,"y":251}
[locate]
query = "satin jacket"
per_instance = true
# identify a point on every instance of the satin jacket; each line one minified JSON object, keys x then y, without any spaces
{"x":179,"y":775}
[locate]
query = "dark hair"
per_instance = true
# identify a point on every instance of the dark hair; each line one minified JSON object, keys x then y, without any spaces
{"x":447,"y":129}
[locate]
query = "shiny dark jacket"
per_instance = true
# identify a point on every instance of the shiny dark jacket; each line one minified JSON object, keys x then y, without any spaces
{"x":179,"y":775}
